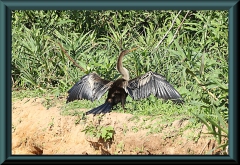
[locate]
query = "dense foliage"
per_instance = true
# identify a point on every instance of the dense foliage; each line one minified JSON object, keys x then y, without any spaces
{"x":190,"y":48}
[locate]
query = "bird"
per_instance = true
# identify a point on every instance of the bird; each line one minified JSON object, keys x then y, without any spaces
{"x":92,"y":87}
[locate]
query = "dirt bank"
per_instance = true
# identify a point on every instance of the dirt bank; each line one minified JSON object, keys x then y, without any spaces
{"x":42,"y":131}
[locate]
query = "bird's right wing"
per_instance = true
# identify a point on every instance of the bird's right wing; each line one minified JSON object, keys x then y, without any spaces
{"x":89,"y":87}
{"x":152,"y":83}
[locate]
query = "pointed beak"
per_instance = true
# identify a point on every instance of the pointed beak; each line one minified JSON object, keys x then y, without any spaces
{"x":132,"y":49}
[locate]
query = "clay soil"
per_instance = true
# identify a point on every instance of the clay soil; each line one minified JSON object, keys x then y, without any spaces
{"x":38,"y":130}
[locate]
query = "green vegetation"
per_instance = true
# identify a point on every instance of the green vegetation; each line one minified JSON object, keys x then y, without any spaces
{"x":190,"y":48}
{"x":100,"y":132}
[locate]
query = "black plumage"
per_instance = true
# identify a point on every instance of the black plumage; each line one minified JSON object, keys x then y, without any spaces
{"x":92,"y":87}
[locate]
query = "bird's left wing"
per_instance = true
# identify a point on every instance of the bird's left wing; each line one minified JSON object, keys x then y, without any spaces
{"x":152,"y":83}
{"x":89,"y":87}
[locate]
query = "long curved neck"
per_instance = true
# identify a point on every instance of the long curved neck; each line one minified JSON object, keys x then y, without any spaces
{"x":124,"y":72}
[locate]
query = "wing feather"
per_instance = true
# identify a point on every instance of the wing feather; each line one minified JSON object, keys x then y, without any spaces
{"x":89,"y":87}
{"x":152,"y":83}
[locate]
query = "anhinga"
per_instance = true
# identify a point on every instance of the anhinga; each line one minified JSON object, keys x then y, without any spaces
{"x":92,"y":87}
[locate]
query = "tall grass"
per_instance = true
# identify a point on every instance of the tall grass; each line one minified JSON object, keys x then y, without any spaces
{"x":190,"y":48}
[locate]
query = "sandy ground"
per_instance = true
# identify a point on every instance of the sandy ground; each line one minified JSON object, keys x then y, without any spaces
{"x":40,"y":131}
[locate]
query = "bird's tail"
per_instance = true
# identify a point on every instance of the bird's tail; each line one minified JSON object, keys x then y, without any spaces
{"x":104,"y":108}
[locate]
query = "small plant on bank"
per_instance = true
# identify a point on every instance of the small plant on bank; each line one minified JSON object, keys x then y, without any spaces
{"x":100,"y":132}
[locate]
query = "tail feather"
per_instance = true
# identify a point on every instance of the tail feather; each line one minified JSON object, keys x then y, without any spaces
{"x":104,"y":108}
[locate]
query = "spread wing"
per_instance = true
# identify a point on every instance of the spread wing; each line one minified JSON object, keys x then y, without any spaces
{"x":90,"y":87}
{"x":152,"y":83}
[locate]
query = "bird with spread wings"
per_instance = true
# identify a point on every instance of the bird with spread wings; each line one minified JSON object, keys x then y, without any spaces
{"x":92,"y":87}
